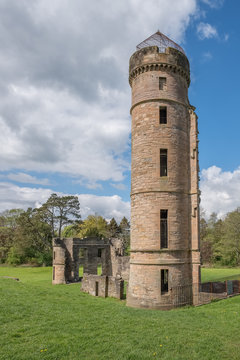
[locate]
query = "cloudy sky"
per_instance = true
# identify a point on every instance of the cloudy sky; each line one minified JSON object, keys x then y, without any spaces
{"x":64,"y":111}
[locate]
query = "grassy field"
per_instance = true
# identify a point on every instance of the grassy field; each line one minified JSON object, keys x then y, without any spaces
{"x":41,"y":321}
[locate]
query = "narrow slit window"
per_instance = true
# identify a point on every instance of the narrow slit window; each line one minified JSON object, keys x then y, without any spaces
{"x":164,"y":229}
{"x":96,"y":288}
{"x":54,"y":255}
{"x":164,"y":281}
{"x":162,"y":83}
{"x":163,"y":115}
{"x":99,"y":253}
{"x":54,"y":273}
{"x":163,"y":162}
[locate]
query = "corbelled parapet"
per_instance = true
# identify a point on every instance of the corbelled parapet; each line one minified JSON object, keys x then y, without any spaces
{"x":150,"y":59}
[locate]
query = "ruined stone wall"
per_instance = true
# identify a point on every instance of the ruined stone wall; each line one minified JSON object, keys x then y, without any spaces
{"x":96,"y":252}
{"x":120,"y":265}
{"x":103,"y":286}
{"x":95,"y":285}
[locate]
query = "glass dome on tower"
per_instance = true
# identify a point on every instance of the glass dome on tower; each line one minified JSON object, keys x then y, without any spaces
{"x":161,"y":41}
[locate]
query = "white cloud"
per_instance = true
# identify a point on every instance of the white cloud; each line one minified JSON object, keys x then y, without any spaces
{"x":106,"y":206}
{"x":13,"y":196}
{"x":206,"y":31}
{"x":119,"y":186}
{"x":25,"y":178}
{"x":65,"y":96}
{"x":220,"y":190}
{"x":214,"y":3}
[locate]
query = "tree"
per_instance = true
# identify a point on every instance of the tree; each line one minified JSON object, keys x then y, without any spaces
{"x":59,"y":211}
{"x":125,"y":234}
{"x":229,"y":246}
{"x":113,"y":228}
{"x":32,"y":240}
{"x":94,"y":225}
{"x":211,"y":233}
{"x":124,"y":224}
{"x":8,"y":225}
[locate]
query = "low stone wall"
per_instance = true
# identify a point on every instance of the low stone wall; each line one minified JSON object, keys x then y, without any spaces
{"x":104,"y":286}
{"x":95,"y":285}
{"x":115,"y":287}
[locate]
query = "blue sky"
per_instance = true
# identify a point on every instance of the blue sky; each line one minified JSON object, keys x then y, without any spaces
{"x":65,"y":98}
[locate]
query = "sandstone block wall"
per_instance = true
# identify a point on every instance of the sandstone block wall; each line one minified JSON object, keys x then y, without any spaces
{"x":103,"y":286}
{"x":150,"y":193}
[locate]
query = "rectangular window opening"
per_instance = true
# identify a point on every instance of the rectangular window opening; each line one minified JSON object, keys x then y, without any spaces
{"x":54,"y":273}
{"x":81,"y":271}
{"x":163,"y":162}
{"x":99,"y":269}
{"x":164,"y":229}
{"x":99,"y":253}
{"x":81,"y":252}
{"x":163,"y":115}
{"x":162,"y":83}
{"x":54,"y":254}
{"x":164,"y":281}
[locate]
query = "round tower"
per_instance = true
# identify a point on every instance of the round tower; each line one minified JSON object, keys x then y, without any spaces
{"x":164,"y":193}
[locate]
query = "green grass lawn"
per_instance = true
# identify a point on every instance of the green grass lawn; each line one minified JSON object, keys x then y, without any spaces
{"x":41,"y":321}
{"x":212,"y":274}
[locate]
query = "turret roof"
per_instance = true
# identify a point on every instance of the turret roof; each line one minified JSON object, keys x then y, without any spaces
{"x":160,"y":40}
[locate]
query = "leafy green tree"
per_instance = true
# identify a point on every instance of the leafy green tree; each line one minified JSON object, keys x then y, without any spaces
{"x":125,"y":234}
{"x":94,"y":225}
{"x":8,"y":225}
{"x":32,"y":239}
{"x":229,"y":245}
{"x":113,"y":228}
{"x":59,"y":211}
{"x":211,"y":233}
{"x":71,"y":230}
{"x":124,"y":225}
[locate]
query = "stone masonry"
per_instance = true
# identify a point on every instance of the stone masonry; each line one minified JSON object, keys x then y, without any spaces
{"x":90,"y":253}
{"x":159,"y":77}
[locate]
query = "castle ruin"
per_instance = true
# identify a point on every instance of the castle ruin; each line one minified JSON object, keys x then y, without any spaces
{"x":165,"y":256}
{"x":103,"y":264}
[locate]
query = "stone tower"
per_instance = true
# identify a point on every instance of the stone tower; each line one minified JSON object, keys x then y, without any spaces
{"x":165,"y":257}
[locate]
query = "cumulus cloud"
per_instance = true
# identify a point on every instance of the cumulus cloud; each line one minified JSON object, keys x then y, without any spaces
{"x":206,"y":31}
{"x":25,"y":178}
{"x":14,"y":196}
{"x":106,"y":206}
{"x":220,"y":190}
{"x":64,"y":89}
{"x":119,"y":186}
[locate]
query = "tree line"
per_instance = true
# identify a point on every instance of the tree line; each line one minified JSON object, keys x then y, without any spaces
{"x":26,"y":235}
{"x":220,"y":239}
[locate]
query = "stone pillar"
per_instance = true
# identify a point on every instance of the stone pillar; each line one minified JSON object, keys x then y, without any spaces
{"x":59,"y":259}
